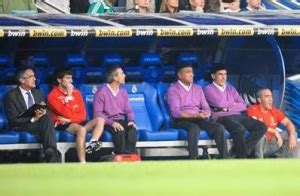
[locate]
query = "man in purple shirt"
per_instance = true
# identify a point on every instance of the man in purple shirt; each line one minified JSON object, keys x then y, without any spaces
{"x":111,"y":102}
{"x":190,"y":111}
{"x":227,"y":107}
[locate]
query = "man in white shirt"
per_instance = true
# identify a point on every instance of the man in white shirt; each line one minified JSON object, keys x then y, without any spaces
{"x":18,"y":100}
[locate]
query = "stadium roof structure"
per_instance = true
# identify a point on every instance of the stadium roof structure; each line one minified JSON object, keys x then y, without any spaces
{"x":283,"y":23}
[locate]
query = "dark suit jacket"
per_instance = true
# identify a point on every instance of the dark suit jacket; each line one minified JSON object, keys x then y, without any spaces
{"x":14,"y":105}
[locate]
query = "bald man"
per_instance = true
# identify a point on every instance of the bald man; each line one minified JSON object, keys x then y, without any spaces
{"x":275,"y":142}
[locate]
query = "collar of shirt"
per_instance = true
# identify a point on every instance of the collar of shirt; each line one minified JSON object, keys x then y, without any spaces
{"x":25,"y":96}
{"x":112,"y":91}
{"x":220,"y":87}
{"x":187,"y":88}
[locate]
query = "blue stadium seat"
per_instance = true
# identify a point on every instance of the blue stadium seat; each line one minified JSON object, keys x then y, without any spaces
{"x":203,"y":83}
{"x":148,"y":117}
{"x":5,"y":61}
{"x":8,"y":76}
{"x":88,"y":92}
{"x":10,"y":137}
{"x":78,"y":74}
{"x":169,"y":74}
{"x":40,"y":60}
{"x":28,"y":138}
{"x":44,"y":89}
{"x":6,"y":137}
{"x":48,"y":76}
{"x":151,"y":64}
{"x":93,"y":75}
{"x":76,"y":60}
{"x":134,"y":74}
{"x":112,"y":59}
{"x":3,"y":120}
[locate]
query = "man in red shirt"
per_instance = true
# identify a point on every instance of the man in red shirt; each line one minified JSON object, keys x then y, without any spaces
{"x":69,"y":113}
{"x":278,"y":143}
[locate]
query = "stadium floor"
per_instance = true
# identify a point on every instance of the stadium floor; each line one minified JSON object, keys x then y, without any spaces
{"x":213,"y":177}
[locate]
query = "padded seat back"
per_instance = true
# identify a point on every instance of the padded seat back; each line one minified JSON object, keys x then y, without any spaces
{"x":8,"y":76}
{"x":168,"y":74}
{"x":88,"y":92}
{"x":134,"y":74}
{"x":162,"y":89}
{"x":112,"y":59}
{"x":152,"y":67}
{"x":3,"y":90}
{"x":5,"y":61}
{"x":76,"y":60}
{"x":93,"y":75}
{"x":143,"y":99}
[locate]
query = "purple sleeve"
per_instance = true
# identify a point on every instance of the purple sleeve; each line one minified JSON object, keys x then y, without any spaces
{"x":239,"y":104}
{"x":128,"y":108}
{"x":98,"y":108}
{"x":173,"y":102}
{"x":211,"y":97}
{"x":203,"y":102}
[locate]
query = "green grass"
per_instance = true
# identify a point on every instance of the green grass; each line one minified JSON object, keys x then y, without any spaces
{"x":215,"y":177}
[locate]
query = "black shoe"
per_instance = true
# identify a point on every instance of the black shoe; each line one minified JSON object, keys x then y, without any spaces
{"x":49,"y":155}
{"x":93,"y":147}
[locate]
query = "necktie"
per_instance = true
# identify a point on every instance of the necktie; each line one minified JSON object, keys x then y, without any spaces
{"x":30,"y":99}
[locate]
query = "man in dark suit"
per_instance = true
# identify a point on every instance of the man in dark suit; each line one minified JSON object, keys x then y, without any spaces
{"x":18,"y":100}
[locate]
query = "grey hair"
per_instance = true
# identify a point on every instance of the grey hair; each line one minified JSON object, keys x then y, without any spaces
{"x":111,"y":74}
{"x":258,"y":93}
{"x":20,"y":73}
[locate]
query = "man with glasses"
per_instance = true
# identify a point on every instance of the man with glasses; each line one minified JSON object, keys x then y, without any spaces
{"x":21,"y":98}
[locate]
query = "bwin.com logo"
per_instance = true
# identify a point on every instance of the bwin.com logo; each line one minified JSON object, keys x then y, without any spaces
{"x":134,"y":88}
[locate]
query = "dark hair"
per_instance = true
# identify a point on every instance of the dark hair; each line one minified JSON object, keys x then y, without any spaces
{"x":212,"y":6}
{"x":111,"y":72}
{"x":183,"y":65}
{"x":61,"y":72}
{"x":20,"y":72}
{"x":218,"y":67}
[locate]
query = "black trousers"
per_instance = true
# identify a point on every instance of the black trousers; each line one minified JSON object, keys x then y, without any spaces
{"x":193,"y":126}
{"x":124,"y":141}
{"x":44,"y":128}
{"x":237,"y":125}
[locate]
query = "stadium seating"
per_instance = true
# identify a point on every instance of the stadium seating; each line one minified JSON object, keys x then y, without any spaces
{"x":76,"y":60}
{"x":93,"y":75}
{"x":5,"y":61}
{"x":8,"y":76}
{"x":112,"y":59}
{"x":151,"y":64}
{"x":292,"y":99}
{"x":143,"y":99}
{"x":134,"y":74}
{"x":168,"y":74}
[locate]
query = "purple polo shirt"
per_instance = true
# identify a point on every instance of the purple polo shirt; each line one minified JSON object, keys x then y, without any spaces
{"x":112,"y":107}
{"x":190,"y":101}
{"x":229,"y":98}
